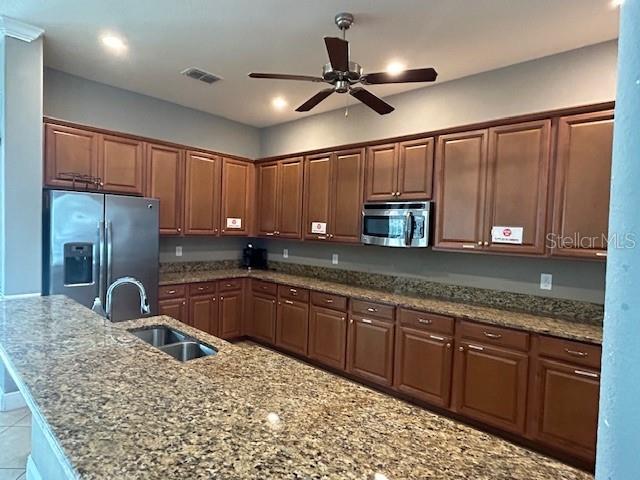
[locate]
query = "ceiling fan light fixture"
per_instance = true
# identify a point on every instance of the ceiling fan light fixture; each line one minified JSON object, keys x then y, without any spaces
{"x":279,"y":103}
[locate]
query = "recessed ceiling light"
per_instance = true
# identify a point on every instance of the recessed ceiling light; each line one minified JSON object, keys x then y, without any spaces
{"x":279,"y":103}
{"x":113,"y":42}
{"x":394,"y":68}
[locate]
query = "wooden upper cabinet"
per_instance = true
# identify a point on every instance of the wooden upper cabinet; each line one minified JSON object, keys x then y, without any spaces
{"x":69,"y":151}
{"x":415,"y":170}
{"x":346,"y":196}
{"x":291,"y":174}
{"x":121,"y":164}
{"x":381,"y":173}
{"x":236,"y":177}
{"x":202,"y":194}
{"x":267,"y":181}
{"x":583,"y":176}
{"x":517,"y":185}
{"x":165,"y":181}
{"x":460,"y":190}
{"x":317,"y":196}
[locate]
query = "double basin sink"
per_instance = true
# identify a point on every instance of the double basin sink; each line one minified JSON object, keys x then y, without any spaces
{"x":179,"y":345}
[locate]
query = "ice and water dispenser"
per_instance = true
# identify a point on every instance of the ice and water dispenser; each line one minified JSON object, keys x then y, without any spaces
{"x":78,"y":263}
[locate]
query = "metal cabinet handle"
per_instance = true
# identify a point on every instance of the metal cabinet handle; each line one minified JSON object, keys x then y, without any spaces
{"x":576,"y":353}
{"x":492,"y":335}
{"x":321,"y":237}
{"x":328,"y":300}
{"x":426,"y":321}
{"x":200,"y":288}
{"x":461,"y":349}
{"x":586,"y":374}
{"x":468,"y":245}
{"x":221,"y":298}
{"x":228,"y":285}
{"x":601,"y":254}
{"x":179,"y":229}
{"x":270,"y":234}
{"x":448,"y":345}
{"x":288,"y":302}
{"x":435,"y":337}
{"x":486,"y":244}
{"x":366,"y":320}
{"x":331,"y":235}
{"x":476,"y":347}
{"x":171,"y":292}
{"x":214,"y":298}
{"x":479,"y":243}
{"x":351,"y":320}
{"x":371,"y":309}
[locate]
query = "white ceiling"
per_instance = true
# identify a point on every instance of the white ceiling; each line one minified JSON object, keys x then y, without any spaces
{"x":233,"y":37}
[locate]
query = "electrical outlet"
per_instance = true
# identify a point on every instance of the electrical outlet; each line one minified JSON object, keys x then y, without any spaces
{"x":178,"y":251}
{"x":546,"y":280}
{"x":285,"y":253}
{"x":334,"y":259}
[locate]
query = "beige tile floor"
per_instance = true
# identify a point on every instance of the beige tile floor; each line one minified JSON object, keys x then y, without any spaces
{"x":15,"y":443}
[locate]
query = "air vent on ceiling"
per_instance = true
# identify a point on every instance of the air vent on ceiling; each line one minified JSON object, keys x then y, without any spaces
{"x":201,"y":75}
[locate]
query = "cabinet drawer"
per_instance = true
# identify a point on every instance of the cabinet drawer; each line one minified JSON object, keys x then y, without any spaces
{"x":264,"y":287}
{"x":328,"y":300}
{"x":172,"y":291}
{"x":426,"y":321}
{"x":293,"y":293}
{"x":202,"y":288}
{"x":569,"y":351}
{"x":490,"y":334}
{"x":230,"y":284}
{"x":372,"y":309}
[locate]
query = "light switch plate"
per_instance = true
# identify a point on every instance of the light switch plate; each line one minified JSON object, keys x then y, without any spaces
{"x":285,"y":253}
{"x":546,"y":281}
{"x":334,"y":259}
{"x":178,"y":251}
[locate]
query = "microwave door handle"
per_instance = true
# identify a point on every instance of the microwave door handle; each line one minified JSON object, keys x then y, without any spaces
{"x":408,"y":227}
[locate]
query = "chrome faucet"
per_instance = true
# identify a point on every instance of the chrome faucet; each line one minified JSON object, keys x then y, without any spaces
{"x":144,"y":302}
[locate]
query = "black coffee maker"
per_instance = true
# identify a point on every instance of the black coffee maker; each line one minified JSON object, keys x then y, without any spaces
{"x":254,"y":258}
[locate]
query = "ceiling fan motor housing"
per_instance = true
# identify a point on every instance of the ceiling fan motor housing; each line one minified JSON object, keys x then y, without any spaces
{"x":353,"y":75}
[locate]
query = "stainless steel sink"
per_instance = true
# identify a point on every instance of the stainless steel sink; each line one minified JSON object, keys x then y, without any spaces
{"x":179,"y":345}
{"x":185,"y":351}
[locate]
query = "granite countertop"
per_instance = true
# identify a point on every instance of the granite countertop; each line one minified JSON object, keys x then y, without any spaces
{"x":519,"y":320}
{"x":120,"y":409}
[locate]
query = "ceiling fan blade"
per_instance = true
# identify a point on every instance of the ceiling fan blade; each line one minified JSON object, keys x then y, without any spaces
{"x":408,"y":76}
{"x":371,"y":101}
{"x":284,"y":76}
{"x":338,"y":50}
{"x":315,"y":100}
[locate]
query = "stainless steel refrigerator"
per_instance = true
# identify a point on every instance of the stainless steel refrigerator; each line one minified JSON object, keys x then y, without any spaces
{"x":92,"y":239}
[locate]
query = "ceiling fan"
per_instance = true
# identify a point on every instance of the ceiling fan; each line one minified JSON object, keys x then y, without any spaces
{"x":343,"y":75}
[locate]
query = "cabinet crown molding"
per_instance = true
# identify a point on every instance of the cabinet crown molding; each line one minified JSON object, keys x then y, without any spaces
{"x":10,"y":27}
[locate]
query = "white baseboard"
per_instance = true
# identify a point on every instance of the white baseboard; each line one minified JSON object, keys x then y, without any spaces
{"x":11,"y":401}
{"x":32,"y":470}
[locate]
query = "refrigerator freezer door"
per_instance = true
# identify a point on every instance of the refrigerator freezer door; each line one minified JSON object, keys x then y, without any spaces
{"x":72,"y":230}
{"x":132,"y":240}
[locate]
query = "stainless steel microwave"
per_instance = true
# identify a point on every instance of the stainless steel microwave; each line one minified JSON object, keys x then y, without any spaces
{"x":396,"y":224}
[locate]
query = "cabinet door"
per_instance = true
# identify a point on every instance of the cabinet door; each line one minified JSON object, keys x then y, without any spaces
{"x":292,"y":326}
{"x":565,"y":407}
{"x":517,"y":184}
{"x":423,"y":363}
{"x":230,"y":314}
{"x":262,"y":324}
{"x":346,"y":206}
{"x":202,"y":194}
{"x":415,"y":170}
{"x":370,"y":349}
{"x":460,"y":190}
{"x":381,"y":172}
{"x":203,"y":313}
{"x":235,"y":197}
{"x":317,"y":197}
{"x":174,"y":308}
{"x":328,"y":336}
{"x":121,"y":164}
{"x":165,"y":180}
{"x":69,"y":151}
{"x":290,"y":198}
{"x":267,"y":199}
{"x":583,"y":176}
{"x":491,"y":385}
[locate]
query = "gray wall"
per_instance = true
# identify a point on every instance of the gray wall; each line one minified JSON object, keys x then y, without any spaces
{"x":21,"y":228}
{"x":91,"y":103}
{"x":576,"y":280}
{"x":200,"y":249}
{"x":577,"y":77}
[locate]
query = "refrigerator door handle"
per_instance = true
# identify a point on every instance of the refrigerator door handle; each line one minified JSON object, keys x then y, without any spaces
{"x":100,"y":263}
{"x":109,"y":233}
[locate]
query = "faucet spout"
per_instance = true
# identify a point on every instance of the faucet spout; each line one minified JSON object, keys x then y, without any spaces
{"x":144,"y":302}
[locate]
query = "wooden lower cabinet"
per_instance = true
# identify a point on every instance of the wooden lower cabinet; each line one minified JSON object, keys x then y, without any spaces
{"x":423,"y":364}
{"x":490,"y":385}
{"x":328,"y":336}
{"x":262,"y":322}
{"x":564,"y":407}
{"x":292,"y":326}
{"x":174,"y":308}
{"x":231,"y":311}
{"x":203,"y":313}
{"x":370,"y":349}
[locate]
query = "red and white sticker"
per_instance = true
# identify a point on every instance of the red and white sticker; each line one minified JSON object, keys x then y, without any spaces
{"x":319,"y":227}
{"x":507,"y":235}
{"x":234,"y":223}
